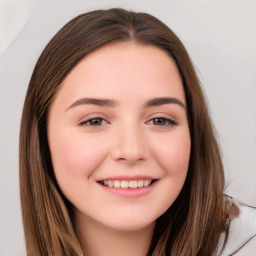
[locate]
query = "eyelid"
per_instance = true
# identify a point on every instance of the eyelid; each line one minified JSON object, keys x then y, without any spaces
{"x":168,"y":118}
{"x":172,"y":121}
{"x":91,"y":117}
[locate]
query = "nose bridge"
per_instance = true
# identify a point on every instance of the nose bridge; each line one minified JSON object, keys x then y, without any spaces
{"x":131,"y":144}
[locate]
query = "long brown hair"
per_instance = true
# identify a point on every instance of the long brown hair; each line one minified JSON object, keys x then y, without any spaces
{"x":193,"y":224}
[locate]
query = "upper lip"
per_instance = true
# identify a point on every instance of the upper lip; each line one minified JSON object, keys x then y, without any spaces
{"x":136,"y":177}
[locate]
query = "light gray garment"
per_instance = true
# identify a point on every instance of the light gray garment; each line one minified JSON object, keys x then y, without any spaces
{"x":242,"y":236}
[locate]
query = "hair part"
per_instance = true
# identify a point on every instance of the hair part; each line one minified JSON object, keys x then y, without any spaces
{"x":193,"y":224}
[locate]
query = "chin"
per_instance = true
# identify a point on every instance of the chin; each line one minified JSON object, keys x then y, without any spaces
{"x":130,"y":222}
{"x":131,"y":226}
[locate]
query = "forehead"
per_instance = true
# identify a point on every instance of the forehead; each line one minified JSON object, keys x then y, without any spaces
{"x":122,"y":70}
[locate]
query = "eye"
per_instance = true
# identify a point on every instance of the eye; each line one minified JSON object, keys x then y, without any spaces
{"x":162,"y":121}
{"x":97,"y":121}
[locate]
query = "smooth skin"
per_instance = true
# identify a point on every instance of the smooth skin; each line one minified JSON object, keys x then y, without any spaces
{"x":126,"y":137}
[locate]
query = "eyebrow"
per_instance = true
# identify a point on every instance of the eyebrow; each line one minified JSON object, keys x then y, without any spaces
{"x":112,"y":103}
{"x":93,"y":101}
{"x":164,"y":100}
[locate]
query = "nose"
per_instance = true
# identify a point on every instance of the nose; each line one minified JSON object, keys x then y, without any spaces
{"x":130,"y":146}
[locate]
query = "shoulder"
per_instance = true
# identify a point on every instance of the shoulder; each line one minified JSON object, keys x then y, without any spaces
{"x":242,"y":233}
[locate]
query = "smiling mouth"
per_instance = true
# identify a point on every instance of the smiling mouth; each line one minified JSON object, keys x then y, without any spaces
{"x":129,"y":184}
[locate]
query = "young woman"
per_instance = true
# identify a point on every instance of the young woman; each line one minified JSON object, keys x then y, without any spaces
{"x":117,"y":151}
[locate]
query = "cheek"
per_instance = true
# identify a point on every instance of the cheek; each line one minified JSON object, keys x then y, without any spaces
{"x":173,"y":153}
{"x":75,"y":156}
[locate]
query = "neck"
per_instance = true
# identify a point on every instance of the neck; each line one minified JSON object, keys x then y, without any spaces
{"x":99,"y":240}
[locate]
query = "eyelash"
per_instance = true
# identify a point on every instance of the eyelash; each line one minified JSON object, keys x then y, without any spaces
{"x":89,"y":120}
{"x":170,"y":121}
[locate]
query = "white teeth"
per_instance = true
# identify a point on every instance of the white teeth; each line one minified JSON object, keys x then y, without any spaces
{"x":146,"y":183}
{"x":117,"y":183}
{"x":110,"y":183}
{"x":140,"y":183}
{"x":132,"y":184}
{"x":126,"y":184}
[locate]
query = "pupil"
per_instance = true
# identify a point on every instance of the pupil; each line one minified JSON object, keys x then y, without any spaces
{"x":159,"y":121}
{"x":96,"y":121}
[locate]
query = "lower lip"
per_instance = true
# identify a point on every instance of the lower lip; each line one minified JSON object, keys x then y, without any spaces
{"x":129,"y":192}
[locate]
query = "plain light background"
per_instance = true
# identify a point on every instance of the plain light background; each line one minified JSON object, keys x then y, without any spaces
{"x":220,"y":36}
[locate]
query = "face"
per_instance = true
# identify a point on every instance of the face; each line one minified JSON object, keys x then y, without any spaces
{"x":119,"y":137}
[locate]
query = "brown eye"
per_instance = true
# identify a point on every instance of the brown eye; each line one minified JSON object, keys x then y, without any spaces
{"x":159,"y":121}
{"x":94,"y":122}
{"x":162,"y":121}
